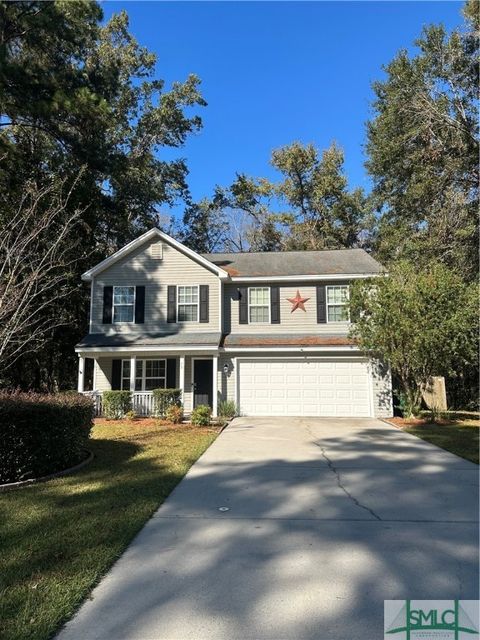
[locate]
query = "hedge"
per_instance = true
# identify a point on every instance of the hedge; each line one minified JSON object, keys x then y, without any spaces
{"x":116,"y":404}
{"x":41,"y":434}
{"x":164,"y":398}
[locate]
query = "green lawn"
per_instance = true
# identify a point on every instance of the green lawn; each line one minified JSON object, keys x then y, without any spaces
{"x":58,"y":538}
{"x":461,"y":438}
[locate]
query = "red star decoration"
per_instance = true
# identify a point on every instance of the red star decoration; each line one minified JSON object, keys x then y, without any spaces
{"x":298,"y":302}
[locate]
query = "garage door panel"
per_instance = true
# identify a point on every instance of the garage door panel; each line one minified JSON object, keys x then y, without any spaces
{"x":326,"y":393}
{"x":294,"y":393}
{"x":360,"y":394}
{"x":308,"y":388}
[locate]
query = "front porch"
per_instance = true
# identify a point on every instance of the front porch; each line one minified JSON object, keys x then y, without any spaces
{"x":197,"y":376}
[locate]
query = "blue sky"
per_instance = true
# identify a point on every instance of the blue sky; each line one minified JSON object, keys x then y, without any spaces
{"x":275,"y":72}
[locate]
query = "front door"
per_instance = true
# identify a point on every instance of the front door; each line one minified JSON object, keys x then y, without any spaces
{"x":202,"y":382}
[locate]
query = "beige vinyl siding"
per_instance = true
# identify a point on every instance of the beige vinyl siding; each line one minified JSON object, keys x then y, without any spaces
{"x":382,"y":390}
{"x":297,"y":322}
{"x":103,"y":374}
{"x":226,"y":381}
{"x":139,"y":268}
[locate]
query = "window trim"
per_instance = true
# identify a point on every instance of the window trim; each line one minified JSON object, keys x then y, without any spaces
{"x":197,"y":286}
{"x":269,"y":304}
{"x":336,"y":304}
{"x":130,"y":286}
{"x":143,"y":377}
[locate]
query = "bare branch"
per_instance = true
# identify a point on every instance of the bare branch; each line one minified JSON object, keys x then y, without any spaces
{"x":39,"y":246}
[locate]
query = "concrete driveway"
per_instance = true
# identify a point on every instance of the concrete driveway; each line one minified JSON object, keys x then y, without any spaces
{"x":326,"y":518}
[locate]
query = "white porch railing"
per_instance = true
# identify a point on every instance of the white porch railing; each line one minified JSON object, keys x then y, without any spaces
{"x":142,"y":402}
{"x":96,"y":398}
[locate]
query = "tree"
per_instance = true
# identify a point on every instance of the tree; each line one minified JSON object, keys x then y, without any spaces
{"x":204,"y":227}
{"x":308,"y":207}
{"x":321,"y":212}
{"x":247,"y":208}
{"x":80,"y":98}
{"x":422,"y":322}
{"x":423,"y":150}
{"x":35,"y":260}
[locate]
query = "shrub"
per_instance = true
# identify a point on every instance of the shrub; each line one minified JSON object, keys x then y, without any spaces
{"x":41,"y":434}
{"x":174,"y":414}
{"x":201,"y":415}
{"x":164,"y":398}
{"x":116,"y":404}
{"x":227,"y":409}
{"x":130,"y":415}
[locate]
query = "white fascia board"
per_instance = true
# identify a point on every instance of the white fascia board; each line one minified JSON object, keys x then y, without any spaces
{"x":213,"y":350}
{"x":145,"y":348}
{"x":128,"y":248}
{"x":309,"y":277}
{"x":290,"y":349}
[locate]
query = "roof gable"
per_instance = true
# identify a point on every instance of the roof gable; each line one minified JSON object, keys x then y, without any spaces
{"x":138,"y":242}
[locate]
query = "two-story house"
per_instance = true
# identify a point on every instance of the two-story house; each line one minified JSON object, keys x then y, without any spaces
{"x":267,"y":330}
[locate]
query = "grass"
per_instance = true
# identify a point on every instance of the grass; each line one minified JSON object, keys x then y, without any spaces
{"x":58,"y":538}
{"x":461,"y":437}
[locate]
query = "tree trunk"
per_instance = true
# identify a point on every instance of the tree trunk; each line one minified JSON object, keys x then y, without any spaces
{"x":413,"y":396}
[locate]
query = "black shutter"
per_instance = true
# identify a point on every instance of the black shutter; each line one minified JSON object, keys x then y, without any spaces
{"x":242,"y":305}
{"x":107,"y":305}
{"x":116,"y":375}
{"x":204,"y":303}
{"x":171,"y":373}
{"x":321,"y":306}
{"x":275,"y":304}
{"x":139,"y":305}
{"x":172,"y":303}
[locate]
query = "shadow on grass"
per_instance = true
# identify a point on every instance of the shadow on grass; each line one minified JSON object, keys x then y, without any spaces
{"x":58,"y":538}
{"x":461,"y":440}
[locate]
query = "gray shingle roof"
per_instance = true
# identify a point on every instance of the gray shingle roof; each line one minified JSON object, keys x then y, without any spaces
{"x":292,"y":263}
{"x":147,"y":339}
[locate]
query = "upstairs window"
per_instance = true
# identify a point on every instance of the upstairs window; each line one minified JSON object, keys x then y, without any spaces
{"x":337,"y":299}
{"x":123,"y":304}
{"x":259,"y":305}
{"x":187,"y":303}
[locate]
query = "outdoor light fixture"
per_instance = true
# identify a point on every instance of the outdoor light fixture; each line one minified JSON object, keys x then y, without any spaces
{"x":225,"y":368}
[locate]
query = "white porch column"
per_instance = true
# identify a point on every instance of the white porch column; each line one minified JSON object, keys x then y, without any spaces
{"x":215,"y":387}
{"x":133,"y":370}
{"x":181,"y":380}
{"x":81,"y":374}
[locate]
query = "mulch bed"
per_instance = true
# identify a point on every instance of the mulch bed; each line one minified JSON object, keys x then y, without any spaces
{"x":156,"y":422}
{"x":416,"y":422}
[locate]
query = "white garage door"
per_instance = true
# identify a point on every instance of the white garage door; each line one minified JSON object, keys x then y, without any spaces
{"x":303,"y":388}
